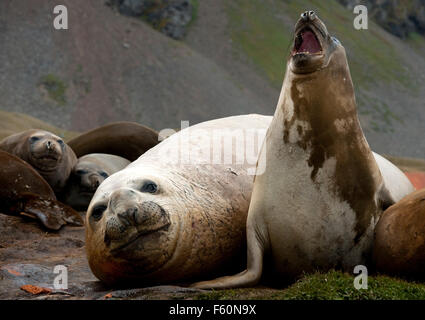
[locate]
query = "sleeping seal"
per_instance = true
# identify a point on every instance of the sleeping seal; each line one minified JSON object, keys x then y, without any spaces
{"x":89,"y":172}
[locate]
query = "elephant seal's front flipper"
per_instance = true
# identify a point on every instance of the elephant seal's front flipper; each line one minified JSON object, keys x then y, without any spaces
{"x":25,"y":192}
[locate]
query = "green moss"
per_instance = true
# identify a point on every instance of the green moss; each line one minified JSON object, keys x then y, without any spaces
{"x":332,"y":285}
{"x":261,"y":35}
{"x":55,"y":87}
{"x":195,"y":8}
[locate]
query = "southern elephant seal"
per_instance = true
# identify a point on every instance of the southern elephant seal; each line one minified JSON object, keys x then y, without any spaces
{"x":316,"y":205}
{"x":399,"y":246}
{"x":125,"y":139}
{"x":179,"y":211}
{"x":24,"y":192}
{"x":89,"y":172}
{"x":204,"y":207}
{"x":46,"y":152}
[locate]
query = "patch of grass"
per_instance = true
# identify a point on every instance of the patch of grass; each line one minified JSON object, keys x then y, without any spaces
{"x":261,"y":35}
{"x":55,"y":87}
{"x":333,"y":285}
{"x":14,"y":122}
{"x":195,"y":8}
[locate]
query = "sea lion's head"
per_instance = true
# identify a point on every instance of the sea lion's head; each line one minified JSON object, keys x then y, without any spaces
{"x":85,"y":178}
{"x":313,"y":47}
{"x":45,"y":150}
{"x":132,"y":225}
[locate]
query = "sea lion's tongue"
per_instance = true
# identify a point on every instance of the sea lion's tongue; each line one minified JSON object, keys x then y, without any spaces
{"x":309,"y":43}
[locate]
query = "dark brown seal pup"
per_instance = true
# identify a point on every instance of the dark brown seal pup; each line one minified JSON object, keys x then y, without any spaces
{"x":125,"y":139}
{"x":45,"y":152}
{"x":316,"y":205}
{"x":24,"y":192}
{"x":399,"y":246}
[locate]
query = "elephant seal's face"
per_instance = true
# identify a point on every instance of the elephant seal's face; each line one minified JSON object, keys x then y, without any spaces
{"x":45,"y":150}
{"x":130,"y":229}
{"x":313,"y":46}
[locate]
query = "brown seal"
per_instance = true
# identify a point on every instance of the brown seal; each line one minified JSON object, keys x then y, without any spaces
{"x":24,"y":192}
{"x":399,"y":246}
{"x":89,"y":172}
{"x":45,"y":152}
{"x":316,"y":205}
{"x":125,"y":139}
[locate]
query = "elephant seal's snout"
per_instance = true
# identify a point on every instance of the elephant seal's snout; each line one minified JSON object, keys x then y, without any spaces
{"x":131,"y":217}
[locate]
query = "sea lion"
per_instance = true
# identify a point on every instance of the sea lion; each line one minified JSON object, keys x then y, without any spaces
{"x":46,"y":152}
{"x":316,"y":204}
{"x":400,"y":238}
{"x":175,"y":213}
{"x":89,"y":172}
{"x":24,"y":192}
{"x":125,"y":139}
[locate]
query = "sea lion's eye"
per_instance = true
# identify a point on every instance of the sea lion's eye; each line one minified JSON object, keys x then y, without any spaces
{"x":103,"y":174}
{"x":336,"y":41}
{"x":34,"y":139}
{"x":150,"y":187}
{"x":97,"y":212}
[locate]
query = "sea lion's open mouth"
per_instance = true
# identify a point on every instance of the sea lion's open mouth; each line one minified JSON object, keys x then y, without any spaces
{"x":306,"y":42}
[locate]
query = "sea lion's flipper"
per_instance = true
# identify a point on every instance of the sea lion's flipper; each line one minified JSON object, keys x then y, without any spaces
{"x":247,"y":278}
{"x":51,"y":213}
{"x":125,"y":139}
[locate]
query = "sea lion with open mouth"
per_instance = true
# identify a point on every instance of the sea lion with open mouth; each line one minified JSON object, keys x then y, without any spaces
{"x":316,"y":205}
{"x":45,"y":152}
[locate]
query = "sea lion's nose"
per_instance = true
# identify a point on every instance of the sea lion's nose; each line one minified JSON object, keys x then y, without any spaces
{"x":124,"y":205}
{"x":48,"y":145}
{"x":95,"y":181}
{"x":308,"y":15}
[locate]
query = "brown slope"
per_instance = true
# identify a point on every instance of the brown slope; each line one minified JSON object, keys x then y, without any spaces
{"x":114,"y":68}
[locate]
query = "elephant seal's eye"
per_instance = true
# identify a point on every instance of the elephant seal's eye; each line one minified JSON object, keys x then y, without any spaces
{"x":103,"y":174}
{"x":97,"y":212}
{"x":81,"y":172}
{"x":34,"y":139}
{"x":61,"y":142}
{"x":150,"y":187}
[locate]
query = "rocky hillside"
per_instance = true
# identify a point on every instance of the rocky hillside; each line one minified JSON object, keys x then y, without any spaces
{"x":113,"y":64}
{"x":399,"y":17}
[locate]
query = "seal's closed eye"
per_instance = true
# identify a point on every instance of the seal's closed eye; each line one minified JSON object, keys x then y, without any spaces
{"x":34,"y":139}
